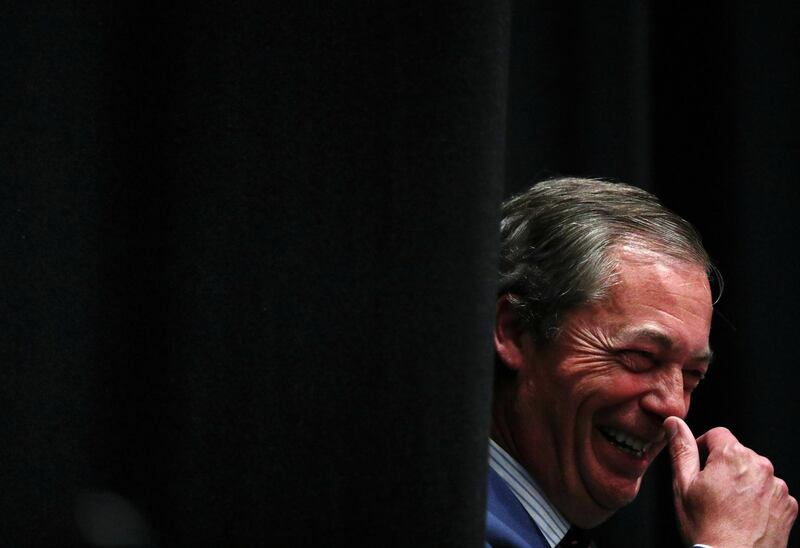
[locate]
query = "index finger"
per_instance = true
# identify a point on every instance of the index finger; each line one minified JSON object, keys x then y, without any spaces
{"x":683,"y":452}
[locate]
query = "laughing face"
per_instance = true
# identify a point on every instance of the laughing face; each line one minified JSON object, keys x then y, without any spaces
{"x":584,"y":415}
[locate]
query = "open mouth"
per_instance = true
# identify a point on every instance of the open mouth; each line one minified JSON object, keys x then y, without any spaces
{"x":625,"y":442}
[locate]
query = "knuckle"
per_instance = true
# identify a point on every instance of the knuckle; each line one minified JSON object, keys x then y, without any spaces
{"x":781,"y":488}
{"x":718,"y":438}
{"x":679,"y":446}
{"x":732,"y":449}
{"x":765,"y":465}
{"x":720,"y":432}
{"x":792,"y":507}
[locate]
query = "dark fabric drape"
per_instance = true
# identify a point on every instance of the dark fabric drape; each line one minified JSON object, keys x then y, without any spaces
{"x":249,"y":251}
{"x":249,"y":273}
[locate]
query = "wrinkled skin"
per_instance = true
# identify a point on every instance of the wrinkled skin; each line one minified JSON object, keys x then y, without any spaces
{"x":735,"y":500}
{"x":584,"y":414}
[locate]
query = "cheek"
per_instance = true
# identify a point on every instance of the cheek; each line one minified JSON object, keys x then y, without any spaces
{"x":612,"y":389}
{"x":592,"y":376}
{"x":589,"y":388}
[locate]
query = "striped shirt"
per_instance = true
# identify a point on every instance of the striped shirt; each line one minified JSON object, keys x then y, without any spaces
{"x":550,"y":522}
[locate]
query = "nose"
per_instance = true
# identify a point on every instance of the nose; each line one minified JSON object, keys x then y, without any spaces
{"x":667,"y":397}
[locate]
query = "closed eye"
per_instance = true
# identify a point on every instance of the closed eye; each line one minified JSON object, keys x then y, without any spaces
{"x":638,"y":360}
{"x":692,"y":378}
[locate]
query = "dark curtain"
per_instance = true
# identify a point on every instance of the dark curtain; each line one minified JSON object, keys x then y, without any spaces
{"x":249,"y":260}
{"x":249,"y":251}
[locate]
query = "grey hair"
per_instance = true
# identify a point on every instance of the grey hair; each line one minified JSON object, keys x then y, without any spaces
{"x":557,"y":238}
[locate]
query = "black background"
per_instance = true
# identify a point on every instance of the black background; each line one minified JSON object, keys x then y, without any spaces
{"x":249,"y":250}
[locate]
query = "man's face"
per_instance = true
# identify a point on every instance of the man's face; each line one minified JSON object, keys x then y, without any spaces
{"x":589,"y":407}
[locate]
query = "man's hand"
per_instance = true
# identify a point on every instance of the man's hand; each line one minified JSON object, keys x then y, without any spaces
{"x":735,"y":500}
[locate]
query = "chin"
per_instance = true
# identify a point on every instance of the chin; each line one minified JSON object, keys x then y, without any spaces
{"x":588,"y":517}
{"x":600,"y":506}
{"x":595,"y":498}
{"x":614,"y":497}
{"x":603,"y":494}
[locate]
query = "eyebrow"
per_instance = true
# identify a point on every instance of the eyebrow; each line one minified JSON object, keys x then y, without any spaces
{"x":663,"y":341}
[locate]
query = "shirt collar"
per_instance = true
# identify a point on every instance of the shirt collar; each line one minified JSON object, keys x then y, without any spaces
{"x":549,"y":520}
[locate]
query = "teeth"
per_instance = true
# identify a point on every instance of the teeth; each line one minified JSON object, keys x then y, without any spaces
{"x":626,"y":441}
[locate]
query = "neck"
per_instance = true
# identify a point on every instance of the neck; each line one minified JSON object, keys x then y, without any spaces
{"x":500,"y":431}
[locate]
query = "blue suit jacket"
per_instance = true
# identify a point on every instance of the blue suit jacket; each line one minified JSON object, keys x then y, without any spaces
{"x":508,"y":525}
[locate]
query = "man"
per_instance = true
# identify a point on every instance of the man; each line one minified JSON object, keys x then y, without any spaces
{"x":601,"y":335}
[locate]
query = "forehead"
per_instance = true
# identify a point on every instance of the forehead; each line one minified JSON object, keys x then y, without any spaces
{"x":659,"y":298}
{"x":642,"y":269}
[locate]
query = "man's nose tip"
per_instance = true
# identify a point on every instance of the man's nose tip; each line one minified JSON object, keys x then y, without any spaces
{"x":667,"y":398}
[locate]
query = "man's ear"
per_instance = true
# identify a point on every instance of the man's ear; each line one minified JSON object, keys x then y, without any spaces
{"x":508,"y":332}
